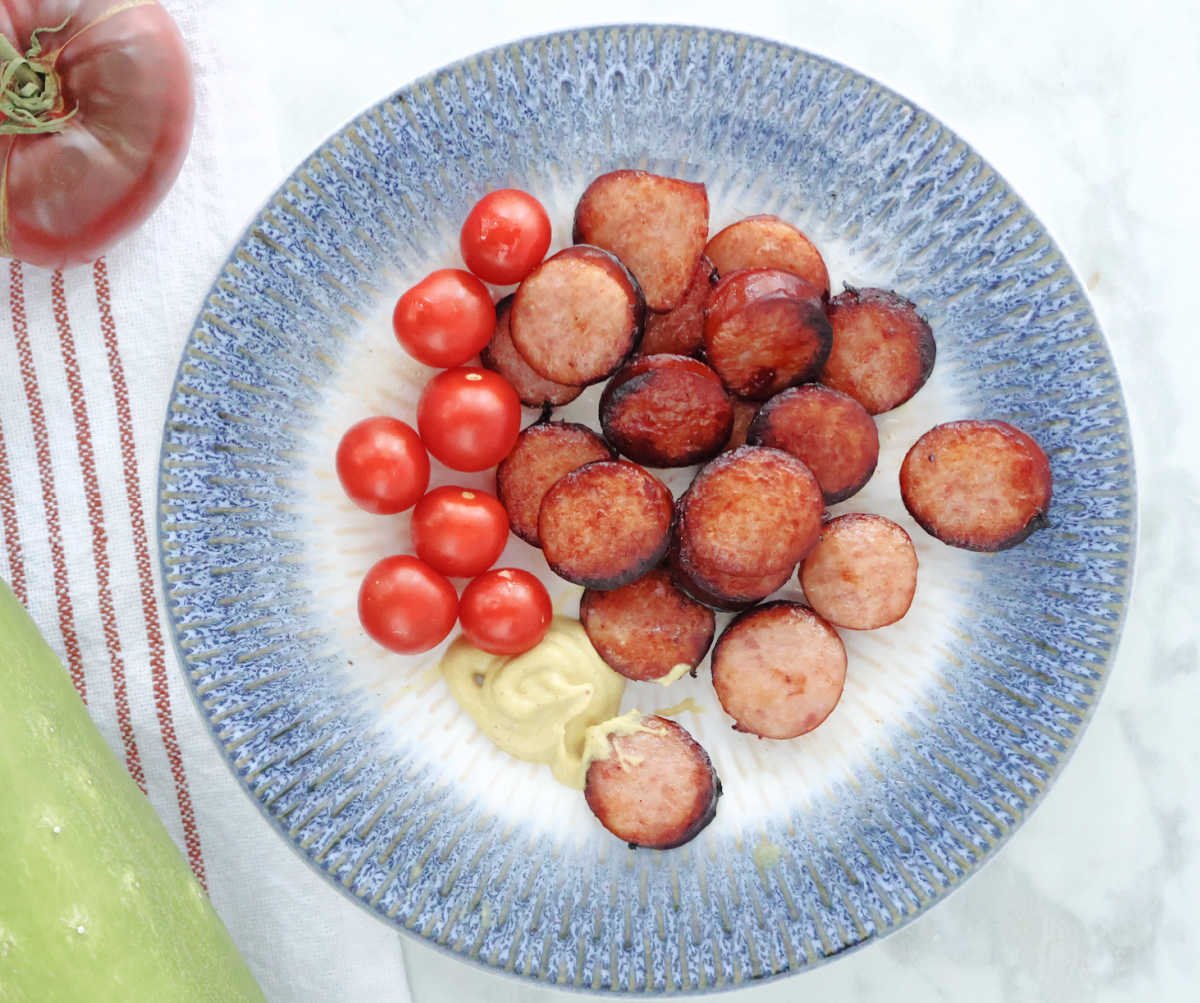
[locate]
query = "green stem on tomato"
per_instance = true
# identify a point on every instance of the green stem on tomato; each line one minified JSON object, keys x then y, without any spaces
{"x":29,"y":89}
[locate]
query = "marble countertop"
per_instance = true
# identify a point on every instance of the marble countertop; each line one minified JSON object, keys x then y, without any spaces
{"x":1086,"y":107}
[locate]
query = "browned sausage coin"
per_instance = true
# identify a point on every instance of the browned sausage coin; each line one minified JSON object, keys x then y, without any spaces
{"x":862,"y":573}
{"x":605,"y":524}
{"x":779,"y":670}
{"x":830,"y":432}
{"x":545,"y":451}
{"x":666,"y":411}
{"x":765,"y":330}
{"x":656,"y":225}
{"x":721,"y":589}
{"x":501,"y":356}
{"x":656,"y":788}
{"x":754,"y":511}
{"x":646,"y":629}
{"x":577,"y":316}
{"x":768,"y":242}
{"x":681,"y":330}
{"x":883,"y":350}
{"x":979,"y":485}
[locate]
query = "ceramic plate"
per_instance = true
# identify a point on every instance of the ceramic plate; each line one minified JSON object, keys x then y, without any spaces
{"x":954,"y":722}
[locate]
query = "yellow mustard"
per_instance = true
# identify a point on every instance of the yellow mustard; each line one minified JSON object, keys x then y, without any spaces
{"x":538,"y":706}
{"x":677,"y":672}
{"x":597,"y":743}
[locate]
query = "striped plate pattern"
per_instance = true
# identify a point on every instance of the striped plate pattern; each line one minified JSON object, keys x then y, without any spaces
{"x":954,"y":722}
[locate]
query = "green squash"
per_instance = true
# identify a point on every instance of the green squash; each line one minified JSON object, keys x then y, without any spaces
{"x":96,"y":901}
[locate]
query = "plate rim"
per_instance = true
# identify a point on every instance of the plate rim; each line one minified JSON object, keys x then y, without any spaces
{"x":791,"y":52}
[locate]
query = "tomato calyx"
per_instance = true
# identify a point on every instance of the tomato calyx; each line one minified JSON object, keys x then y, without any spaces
{"x":30,"y":94}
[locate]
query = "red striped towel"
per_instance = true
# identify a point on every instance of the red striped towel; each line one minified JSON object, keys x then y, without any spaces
{"x":87,"y":357}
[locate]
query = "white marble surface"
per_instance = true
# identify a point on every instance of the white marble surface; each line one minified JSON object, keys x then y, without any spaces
{"x":1088,"y":108}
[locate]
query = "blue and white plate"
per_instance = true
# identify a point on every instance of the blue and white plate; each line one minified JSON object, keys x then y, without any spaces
{"x":954,"y":722}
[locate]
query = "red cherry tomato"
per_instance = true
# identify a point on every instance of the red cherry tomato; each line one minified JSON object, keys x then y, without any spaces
{"x":469,"y":417}
{"x":405,"y":605}
{"x":445,"y":319}
{"x":505,"y":237}
{"x":505,"y":611}
{"x":382,"y":465}
{"x":459,"y":531}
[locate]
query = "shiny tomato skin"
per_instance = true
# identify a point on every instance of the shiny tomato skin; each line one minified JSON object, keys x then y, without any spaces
{"x":382,"y":465}
{"x":406,"y":606}
{"x":505,"y":611}
{"x":124,"y":70}
{"x":459,"y":531}
{"x":445,"y":319}
{"x":505,"y":236}
{"x":469,"y":418}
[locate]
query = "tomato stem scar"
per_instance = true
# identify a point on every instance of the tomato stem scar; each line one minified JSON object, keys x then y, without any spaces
{"x":30,"y":94}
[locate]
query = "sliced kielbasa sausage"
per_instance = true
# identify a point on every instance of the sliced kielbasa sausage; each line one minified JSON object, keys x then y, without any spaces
{"x":605,"y":524}
{"x":862,"y":574}
{"x":765,"y":330}
{"x":720,"y":589}
{"x":577,"y":316}
{"x":501,"y":357}
{"x":883,"y":350}
{"x":768,"y":242}
{"x":754,"y":511}
{"x":779,"y":670}
{"x":830,"y":432}
{"x":646,"y":629}
{"x":656,"y":787}
{"x":545,"y":451}
{"x":743,"y":415}
{"x":681,"y":330}
{"x":979,"y":485}
{"x":666,"y":411}
{"x":656,"y":225}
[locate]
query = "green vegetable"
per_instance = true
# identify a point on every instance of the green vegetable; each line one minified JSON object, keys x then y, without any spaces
{"x":96,"y":902}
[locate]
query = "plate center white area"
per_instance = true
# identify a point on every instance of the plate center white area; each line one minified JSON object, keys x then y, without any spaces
{"x":893,"y":673}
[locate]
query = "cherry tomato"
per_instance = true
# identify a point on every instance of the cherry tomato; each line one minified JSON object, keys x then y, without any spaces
{"x":459,"y":531}
{"x":469,"y":417}
{"x":382,"y":465}
{"x":405,"y":605}
{"x":445,"y":319}
{"x":505,"y":611}
{"x":505,"y":237}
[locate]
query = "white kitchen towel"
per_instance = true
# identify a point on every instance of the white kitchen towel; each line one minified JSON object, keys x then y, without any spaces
{"x":87,"y":358}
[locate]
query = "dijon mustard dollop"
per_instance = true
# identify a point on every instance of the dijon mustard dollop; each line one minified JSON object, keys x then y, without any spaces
{"x":539,"y":706}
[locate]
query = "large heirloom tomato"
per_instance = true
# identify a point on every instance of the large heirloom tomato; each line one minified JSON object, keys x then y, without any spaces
{"x":96,"y":111}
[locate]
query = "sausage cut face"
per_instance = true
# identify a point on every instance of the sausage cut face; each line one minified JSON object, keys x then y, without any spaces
{"x":779,"y":670}
{"x":751,"y":512}
{"x":764,"y":330}
{"x":681,"y":331}
{"x":501,"y":356}
{"x":544,"y":452}
{"x":766,"y":241}
{"x":722,"y":589}
{"x":646,"y":629}
{"x":656,"y":225}
{"x":831,"y":433}
{"x":666,"y":411}
{"x":656,"y":788}
{"x":605,"y":524}
{"x":862,"y":574}
{"x":978,"y":485}
{"x":883,"y":350}
{"x":577,"y":316}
